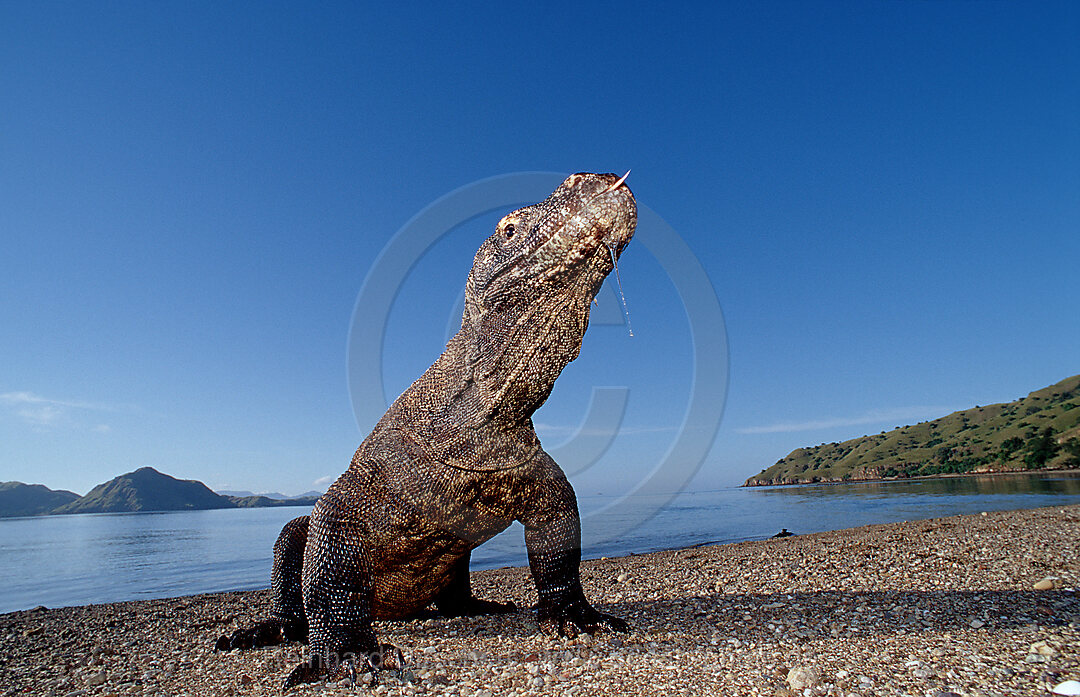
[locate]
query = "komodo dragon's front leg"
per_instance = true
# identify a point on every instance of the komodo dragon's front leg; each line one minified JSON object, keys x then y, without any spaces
{"x":287,"y":621}
{"x":553,"y":540}
{"x":336,"y":592}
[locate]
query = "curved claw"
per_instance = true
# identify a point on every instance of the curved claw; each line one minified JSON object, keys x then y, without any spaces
{"x":615,"y":624}
{"x":386,"y":657}
{"x":310,"y":670}
{"x":574,"y":619}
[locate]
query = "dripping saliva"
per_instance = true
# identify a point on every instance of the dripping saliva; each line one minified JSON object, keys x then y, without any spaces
{"x":618,"y":281}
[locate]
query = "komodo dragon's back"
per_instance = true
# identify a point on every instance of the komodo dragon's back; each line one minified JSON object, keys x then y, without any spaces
{"x":455,"y":459}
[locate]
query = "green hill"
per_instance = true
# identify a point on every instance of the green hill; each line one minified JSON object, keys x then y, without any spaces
{"x":1040,"y":431}
{"x":146,"y":489}
{"x":18,"y":499}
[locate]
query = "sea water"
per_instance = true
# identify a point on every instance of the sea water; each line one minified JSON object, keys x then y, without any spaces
{"x":79,"y":559}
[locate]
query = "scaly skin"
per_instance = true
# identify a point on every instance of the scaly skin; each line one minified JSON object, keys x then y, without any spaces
{"x":455,"y":460}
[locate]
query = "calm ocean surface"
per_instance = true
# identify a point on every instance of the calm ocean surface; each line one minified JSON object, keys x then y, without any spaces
{"x":79,"y":559}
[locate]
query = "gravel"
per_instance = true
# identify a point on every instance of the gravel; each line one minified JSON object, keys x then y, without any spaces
{"x":937,"y":607}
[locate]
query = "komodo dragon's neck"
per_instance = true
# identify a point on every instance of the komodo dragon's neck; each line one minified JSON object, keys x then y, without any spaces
{"x":473,"y":407}
{"x":526,"y":311}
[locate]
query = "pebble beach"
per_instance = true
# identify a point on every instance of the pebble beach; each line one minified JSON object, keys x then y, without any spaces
{"x":977,"y":605}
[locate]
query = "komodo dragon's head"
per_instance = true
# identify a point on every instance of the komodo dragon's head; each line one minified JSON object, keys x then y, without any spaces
{"x":528,"y":296}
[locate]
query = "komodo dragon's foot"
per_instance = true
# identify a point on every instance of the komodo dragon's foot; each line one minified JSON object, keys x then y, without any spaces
{"x":475,"y":606}
{"x":266,"y":633}
{"x":574,"y":618}
{"x":316,"y":668}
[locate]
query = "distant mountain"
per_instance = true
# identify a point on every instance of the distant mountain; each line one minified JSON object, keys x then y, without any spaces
{"x":266,"y":501}
{"x":1040,"y":431}
{"x":226,"y":492}
{"x":146,"y":489}
{"x":269,"y":495}
{"x":18,"y":499}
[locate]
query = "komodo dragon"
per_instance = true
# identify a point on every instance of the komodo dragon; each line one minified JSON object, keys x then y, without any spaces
{"x":455,"y":460}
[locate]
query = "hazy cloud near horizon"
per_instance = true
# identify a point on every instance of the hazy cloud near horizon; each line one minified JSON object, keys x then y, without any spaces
{"x":877,"y":416}
{"x":544,"y":429}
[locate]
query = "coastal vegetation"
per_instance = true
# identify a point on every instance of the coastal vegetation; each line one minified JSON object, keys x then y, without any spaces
{"x":1040,"y":431}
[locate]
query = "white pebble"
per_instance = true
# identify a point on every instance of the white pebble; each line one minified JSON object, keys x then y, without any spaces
{"x":1069,"y":687}
{"x":800,"y":678}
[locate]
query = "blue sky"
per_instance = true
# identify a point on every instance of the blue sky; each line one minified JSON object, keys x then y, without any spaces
{"x":884,"y":196}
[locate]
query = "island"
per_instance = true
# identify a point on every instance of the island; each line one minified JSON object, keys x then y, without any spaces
{"x":1040,"y":431}
{"x":145,"y":489}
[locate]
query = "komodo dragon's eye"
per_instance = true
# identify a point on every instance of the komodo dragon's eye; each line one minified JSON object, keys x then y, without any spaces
{"x":509,"y":230}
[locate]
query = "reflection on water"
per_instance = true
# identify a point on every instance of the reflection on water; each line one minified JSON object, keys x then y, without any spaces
{"x":979,"y":485}
{"x":79,"y":559}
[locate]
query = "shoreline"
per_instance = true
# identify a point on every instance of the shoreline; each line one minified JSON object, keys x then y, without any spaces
{"x":920,"y":478}
{"x":938,"y":605}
